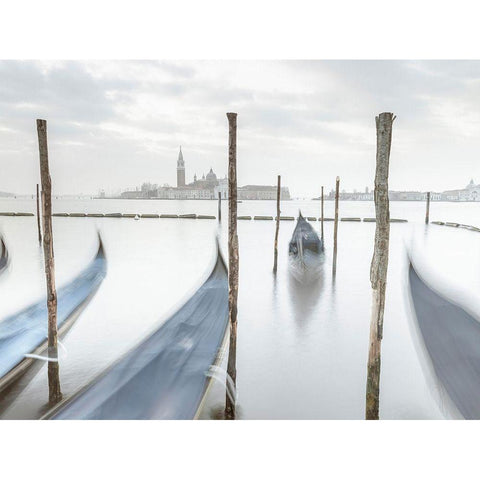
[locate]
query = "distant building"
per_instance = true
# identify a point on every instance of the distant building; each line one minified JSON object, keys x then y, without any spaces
{"x":262,"y":192}
{"x":180,"y":170}
{"x":471,"y":193}
{"x":406,"y":196}
{"x":206,"y":188}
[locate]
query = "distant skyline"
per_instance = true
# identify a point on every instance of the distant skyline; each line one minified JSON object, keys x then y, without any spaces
{"x":116,"y":124}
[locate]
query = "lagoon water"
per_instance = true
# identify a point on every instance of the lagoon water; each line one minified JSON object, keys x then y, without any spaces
{"x":302,"y":351}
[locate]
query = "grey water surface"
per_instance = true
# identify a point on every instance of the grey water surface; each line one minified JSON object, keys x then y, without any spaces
{"x":302,"y":349}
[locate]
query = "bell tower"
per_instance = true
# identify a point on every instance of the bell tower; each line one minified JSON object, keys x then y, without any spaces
{"x":180,"y":169}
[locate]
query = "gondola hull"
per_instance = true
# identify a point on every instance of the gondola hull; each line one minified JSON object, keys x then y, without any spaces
{"x":451,"y":338}
{"x":306,"y":252}
{"x":164,"y":377}
{"x":3,"y":256}
{"x":26,"y":331}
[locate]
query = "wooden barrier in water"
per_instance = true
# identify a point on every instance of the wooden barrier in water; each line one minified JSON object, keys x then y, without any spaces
{"x":277,"y":220}
{"x":427,"y":213}
{"x":205,"y":217}
{"x":322,"y":220}
{"x":233,"y":262}
{"x":54,"y":391}
{"x":392,"y":220}
{"x":379,"y":266}
{"x":335,"y":228}
{"x":456,"y":225}
{"x":220,"y":207}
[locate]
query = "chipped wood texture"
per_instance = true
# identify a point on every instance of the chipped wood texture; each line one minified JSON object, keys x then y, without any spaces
{"x":275,"y":245}
{"x":38,"y":217}
{"x":322,"y":219}
{"x":379,"y":266}
{"x":54,"y":391}
{"x":232,"y":259}
{"x":427,"y":213}
{"x":335,"y":228}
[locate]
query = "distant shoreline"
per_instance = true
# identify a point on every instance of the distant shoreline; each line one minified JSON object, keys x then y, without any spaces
{"x":29,"y":197}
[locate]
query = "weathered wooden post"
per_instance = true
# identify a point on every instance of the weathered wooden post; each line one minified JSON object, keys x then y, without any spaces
{"x":220,"y":207}
{"x":322,"y":219}
{"x":38,"y":217}
{"x":275,"y":245}
{"x":54,"y":392}
{"x":233,"y":259}
{"x":335,"y":227}
{"x":379,"y":266}
{"x":427,"y":214}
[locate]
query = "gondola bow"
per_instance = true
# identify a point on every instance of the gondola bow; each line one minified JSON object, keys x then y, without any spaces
{"x":25,"y":332}
{"x":164,"y":377}
{"x":306,"y":251}
{"x":451,"y":338}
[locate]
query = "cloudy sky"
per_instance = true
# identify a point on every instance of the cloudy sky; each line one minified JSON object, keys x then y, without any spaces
{"x":116,"y":124}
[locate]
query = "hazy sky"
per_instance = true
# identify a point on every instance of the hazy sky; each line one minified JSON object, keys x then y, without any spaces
{"x":116,"y":124}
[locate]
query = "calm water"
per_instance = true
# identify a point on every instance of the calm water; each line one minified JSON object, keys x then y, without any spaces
{"x":301,"y":351}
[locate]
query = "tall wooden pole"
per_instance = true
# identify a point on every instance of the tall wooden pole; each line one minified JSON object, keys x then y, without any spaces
{"x":379,"y":266}
{"x":322,"y":218}
{"x":427,"y":214}
{"x":54,"y":392}
{"x":275,"y":245}
{"x":335,"y":228}
{"x":38,"y":217}
{"x":232,"y":259}
{"x":220,"y":207}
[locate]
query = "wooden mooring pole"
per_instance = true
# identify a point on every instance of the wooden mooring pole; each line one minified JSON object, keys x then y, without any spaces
{"x":322,"y":220}
{"x":38,"y":216}
{"x":335,"y":227}
{"x":233,"y":260}
{"x":220,"y":207}
{"x":54,"y":392}
{"x":275,"y":244}
{"x":427,"y":214}
{"x":379,"y":266}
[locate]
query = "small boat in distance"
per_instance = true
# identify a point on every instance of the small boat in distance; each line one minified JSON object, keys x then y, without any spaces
{"x":306,"y":251}
{"x":165,"y":376}
{"x":23,"y":335}
{"x":3,"y":255}
{"x":450,"y":337}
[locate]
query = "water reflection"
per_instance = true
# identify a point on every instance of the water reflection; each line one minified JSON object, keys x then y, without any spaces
{"x":320,"y":332}
{"x":305,"y":296}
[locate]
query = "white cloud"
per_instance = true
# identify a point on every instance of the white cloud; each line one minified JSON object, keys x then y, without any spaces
{"x":118,"y":123}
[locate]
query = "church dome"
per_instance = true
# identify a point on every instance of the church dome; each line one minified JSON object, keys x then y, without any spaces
{"x":211,"y":177}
